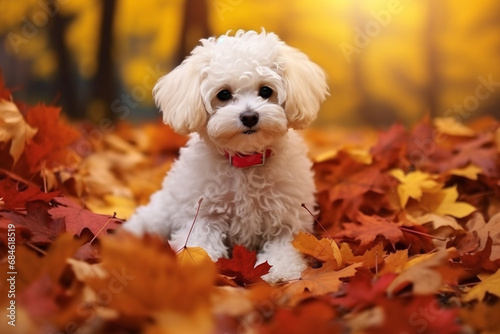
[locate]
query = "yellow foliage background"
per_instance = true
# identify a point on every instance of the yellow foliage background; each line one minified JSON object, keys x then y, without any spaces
{"x":387,"y":60}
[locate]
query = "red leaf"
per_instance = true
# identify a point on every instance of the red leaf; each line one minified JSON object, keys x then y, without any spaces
{"x":16,"y":197}
{"x":418,"y":314}
{"x":314,"y":316}
{"x":362,"y":292}
{"x":42,"y":228}
{"x":391,"y":146}
{"x":242,"y":266}
{"x":77,"y":218}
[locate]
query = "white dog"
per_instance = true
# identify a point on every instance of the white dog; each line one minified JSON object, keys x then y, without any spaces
{"x":242,"y":97}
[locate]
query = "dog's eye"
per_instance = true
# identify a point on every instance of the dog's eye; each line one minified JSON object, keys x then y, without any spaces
{"x":265,"y":92}
{"x":224,"y":95}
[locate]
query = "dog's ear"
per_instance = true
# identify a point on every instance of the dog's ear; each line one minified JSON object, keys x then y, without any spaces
{"x":178,"y":97}
{"x":305,"y":85}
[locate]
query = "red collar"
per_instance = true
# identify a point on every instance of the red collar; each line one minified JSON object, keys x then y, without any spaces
{"x":248,"y":160}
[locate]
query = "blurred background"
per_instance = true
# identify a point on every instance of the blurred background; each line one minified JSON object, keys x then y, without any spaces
{"x":387,"y":60}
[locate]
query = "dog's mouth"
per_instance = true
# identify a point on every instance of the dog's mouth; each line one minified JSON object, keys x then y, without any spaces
{"x":249,"y":132}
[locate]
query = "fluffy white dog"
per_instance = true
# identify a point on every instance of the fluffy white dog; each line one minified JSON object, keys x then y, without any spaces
{"x":241,"y":97}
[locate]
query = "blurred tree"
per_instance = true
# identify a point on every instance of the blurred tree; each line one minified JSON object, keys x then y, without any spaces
{"x":194,"y":26}
{"x":386,"y":60}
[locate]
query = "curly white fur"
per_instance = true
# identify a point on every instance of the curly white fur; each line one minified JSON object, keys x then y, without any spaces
{"x":258,"y":207}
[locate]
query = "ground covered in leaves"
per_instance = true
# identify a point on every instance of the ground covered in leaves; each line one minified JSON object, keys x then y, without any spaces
{"x":408,"y":237}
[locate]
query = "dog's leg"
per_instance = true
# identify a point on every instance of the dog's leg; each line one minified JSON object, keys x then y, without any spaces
{"x":153,"y":217}
{"x":287,"y":263}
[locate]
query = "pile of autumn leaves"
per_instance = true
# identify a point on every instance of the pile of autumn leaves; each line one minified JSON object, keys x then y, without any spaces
{"x":408,"y":239}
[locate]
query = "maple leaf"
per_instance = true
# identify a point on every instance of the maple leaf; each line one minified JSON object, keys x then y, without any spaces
{"x":241,"y":267}
{"x":489,"y":283}
{"x":480,"y":152}
{"x":52,"y":139}
{"x":444,"y":202}
{"x":363,"y":291}
{"x":370,"y":258}
{"x":77,"y":218}
{"x":321,"y":280}
{"x":40,"y":226}
{"x":368,"y":228}
{"x":322,"y":250}
{"x":479,"y":260}
{"x":414,"y":184}
{"x":426,"y":273}
{"x":486,"y":230}
{"x":395,"y":262}
{"x":14,"y":127}
{"x":345,"y":178}
{"x":15,"y":196}
{"x":391,"y":146}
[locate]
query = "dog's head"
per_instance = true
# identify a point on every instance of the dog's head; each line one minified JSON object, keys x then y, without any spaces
{"x":242,"y":92}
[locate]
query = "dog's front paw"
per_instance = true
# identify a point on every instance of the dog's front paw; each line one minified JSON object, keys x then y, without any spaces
{"x":285,"y":271}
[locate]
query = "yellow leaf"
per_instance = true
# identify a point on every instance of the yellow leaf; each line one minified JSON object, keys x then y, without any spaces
{"x":323,"y":250}
{"x":358,"y":154}
{"x":414,"y":184}
{"x":437,"y":221}
{"x":14,"y":127}
{"x":123,"y":206}
{"x":193,"y":256}
{"x":489,"y":284}
{"x":471,"y":171}
{"x":450,"y":126}
{"x":444,"y":202}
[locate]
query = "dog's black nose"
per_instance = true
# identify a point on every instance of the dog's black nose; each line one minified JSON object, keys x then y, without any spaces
{"x":249,"y":118}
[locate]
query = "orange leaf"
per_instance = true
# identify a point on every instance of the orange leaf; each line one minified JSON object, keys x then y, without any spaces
{"x":51,"y":143}
{"x":322,"y":250}
{"x":320,"y":281}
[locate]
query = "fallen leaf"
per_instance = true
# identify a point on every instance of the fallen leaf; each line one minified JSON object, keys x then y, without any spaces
{"x":77,"y":218}
{"x":450,"y":126}
{"x":414,"y":184}
{"x":14,"y":127}
{"x":39,"y":225}
{"x":51,"y":142}
{"x":489,"y":283}
{"x":425,"y":273}
{"x":368,"y":228}
{"x":241,"y":267}
{"x":192,"y":256}
{"x":395,"y":262}
{"x":482,"y":317}
{"x":15,"y":196}
{"x":322,"y":250}
{"x":370,"y":258}
{"x":320,"y":281}
{"x":485,"y":230}
{"x":444,"y":202}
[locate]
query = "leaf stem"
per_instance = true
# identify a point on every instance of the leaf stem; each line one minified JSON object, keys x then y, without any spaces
{"x":421,"y":233}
